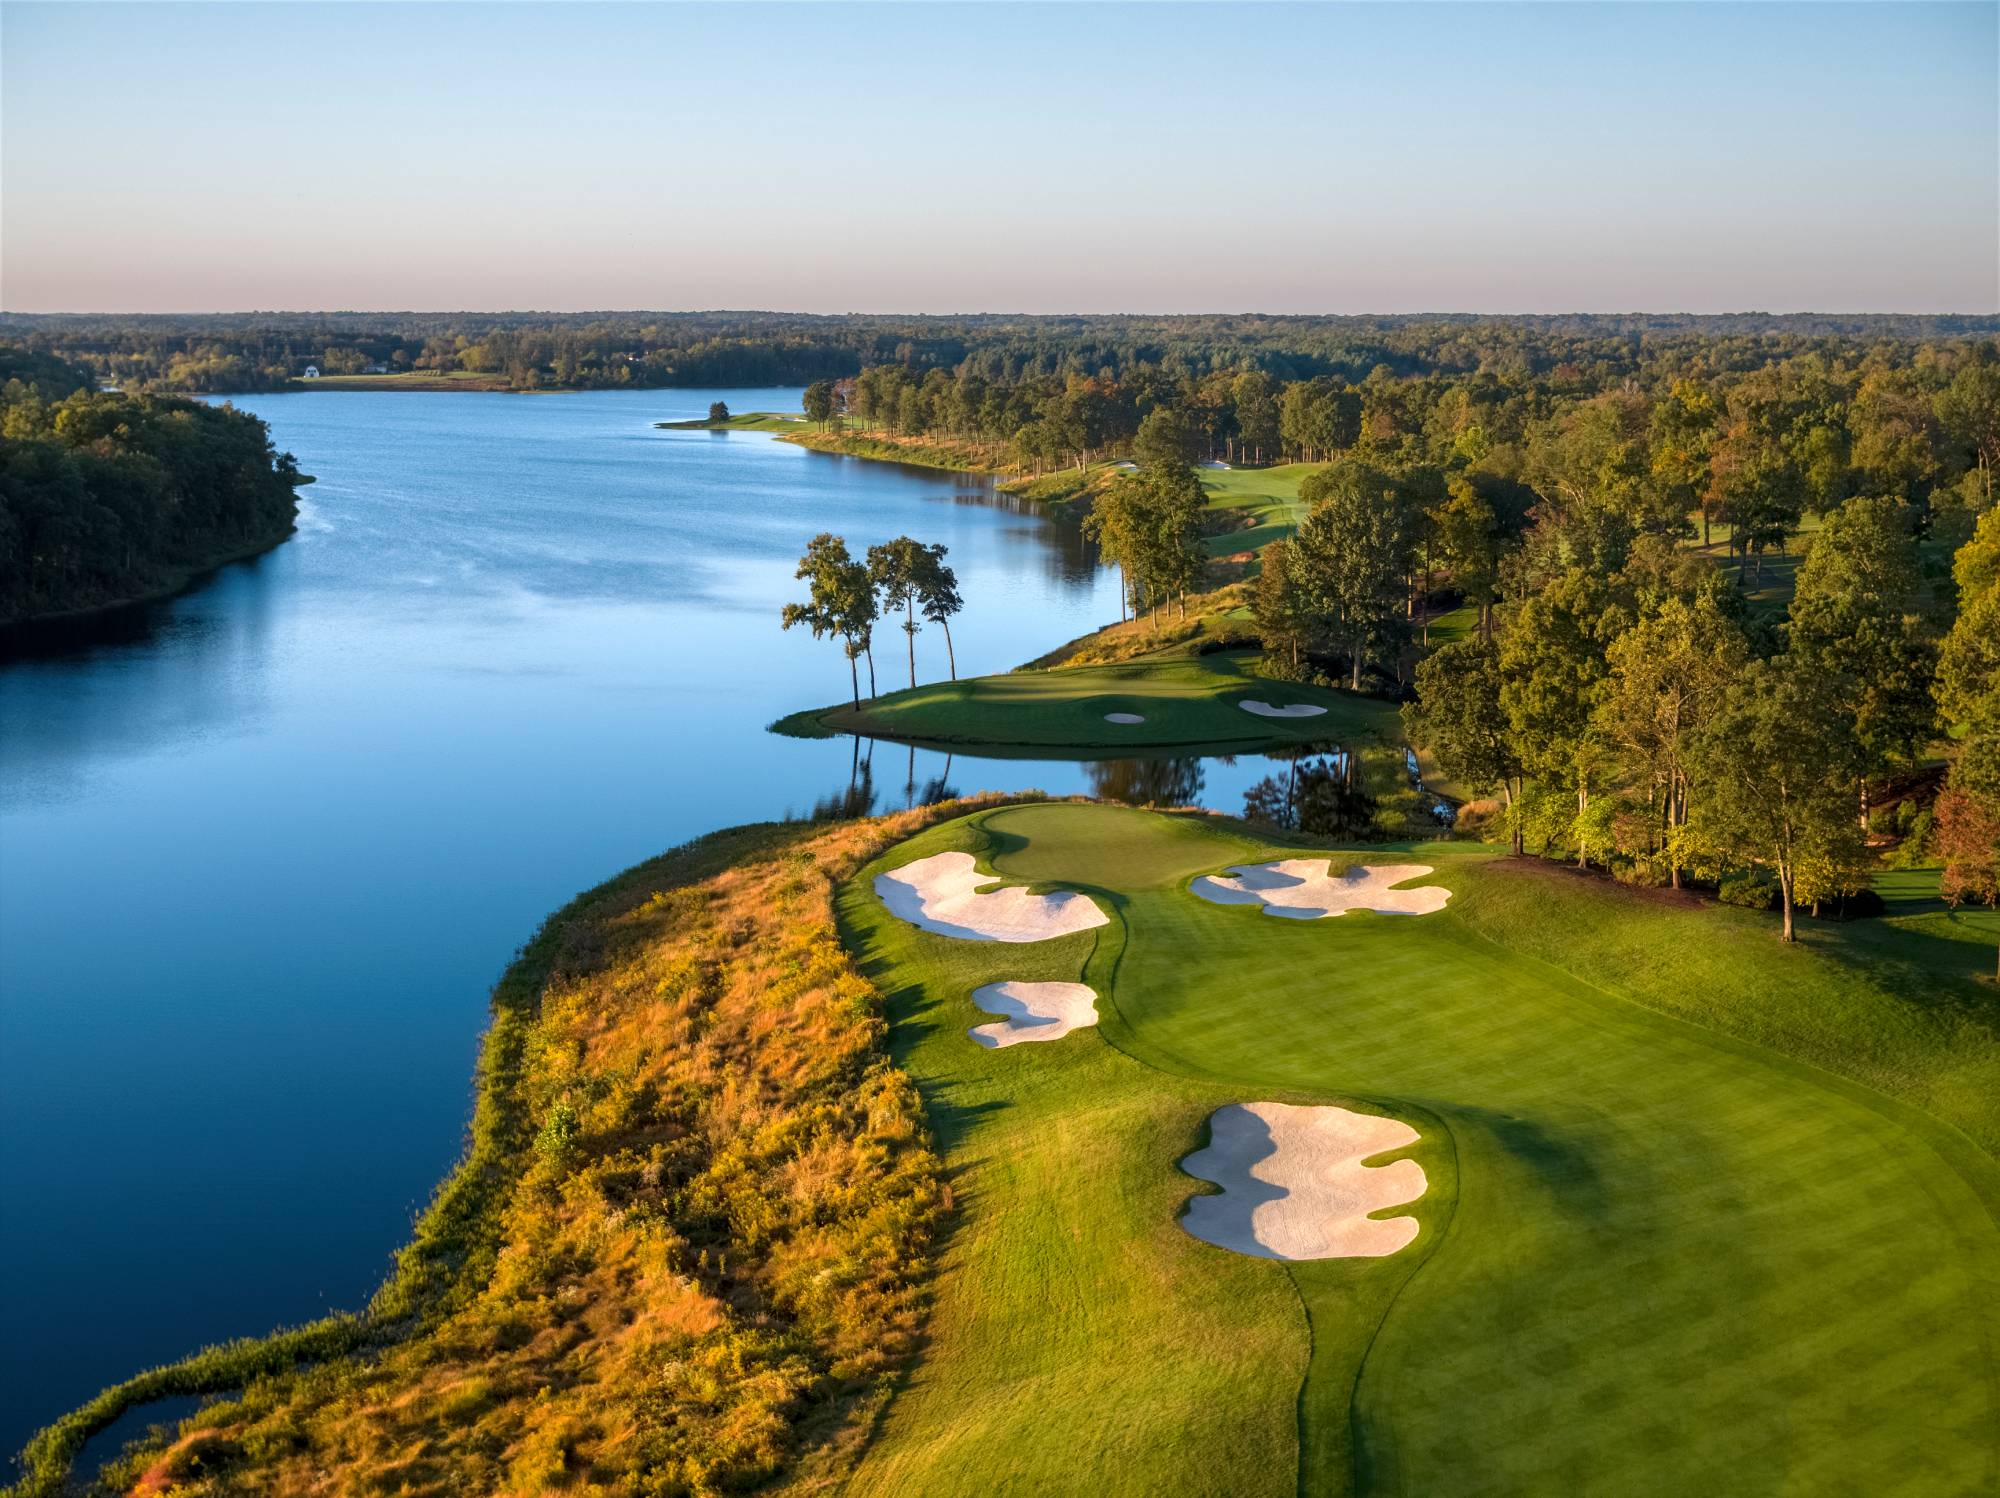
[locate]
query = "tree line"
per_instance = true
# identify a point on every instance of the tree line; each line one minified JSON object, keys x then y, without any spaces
{"x":262,"y":351}
{"x":1752,"y":430}
{"x":1631,"y":705}
{"x":107,"y":496}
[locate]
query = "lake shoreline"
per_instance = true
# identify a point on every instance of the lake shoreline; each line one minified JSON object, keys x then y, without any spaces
{"x":183,"y":580}
{"x":461,"y":1235}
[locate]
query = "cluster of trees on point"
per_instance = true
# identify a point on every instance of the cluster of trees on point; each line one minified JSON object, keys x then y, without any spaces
{"x":107,"y":496}
{"x":847,"y":597}
{"x":1127,"y":359}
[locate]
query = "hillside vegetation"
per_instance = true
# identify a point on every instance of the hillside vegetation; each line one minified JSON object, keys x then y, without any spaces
{"x":107,"y":497}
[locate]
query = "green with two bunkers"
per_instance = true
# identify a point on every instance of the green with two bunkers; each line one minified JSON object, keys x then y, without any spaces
{"x":1174,"y":702}
{"x":1649,"y":1256}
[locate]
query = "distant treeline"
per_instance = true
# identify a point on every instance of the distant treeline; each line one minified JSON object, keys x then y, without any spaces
{"x":1699,"y":421}
{"x":106,"y":497}
{"x":263,"y":350}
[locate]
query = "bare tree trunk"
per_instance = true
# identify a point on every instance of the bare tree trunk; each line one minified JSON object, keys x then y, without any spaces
{"x":1785,"y":896}
{"x":1675,"y":791}
{"x":1582,"y":806}
{"x":871,"y":670}
{"x":1354,"y":667}
{"x":910,"y":634}
{"x":854,"y":676}
{"x":950,"y":655}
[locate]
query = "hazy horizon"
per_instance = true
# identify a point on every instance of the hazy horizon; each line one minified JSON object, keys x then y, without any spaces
{"x":992,"y":312}
{"x":1643,"y":159}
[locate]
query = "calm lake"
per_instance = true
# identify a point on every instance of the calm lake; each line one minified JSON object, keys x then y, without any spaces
{"x":265,"y":847}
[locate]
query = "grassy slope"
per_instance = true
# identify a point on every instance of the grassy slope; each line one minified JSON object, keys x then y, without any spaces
{"x":1677,"y":1262}
{"x":1263,"y":501}
{"x":1184,"y":700}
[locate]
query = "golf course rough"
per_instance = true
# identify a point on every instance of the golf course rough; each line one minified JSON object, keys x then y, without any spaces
{"x":1033,"y":1011}
{"x":943,"y":894}
{"x":1294,"y":1185}
{"x":1304,"y":889}
{"x":1652,"y":1258}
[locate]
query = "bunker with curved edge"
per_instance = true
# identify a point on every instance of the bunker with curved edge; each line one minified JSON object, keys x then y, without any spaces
{"x":1303,"y":889}
{"x":1124,"y":718}
{"x":1293,"y":1185}
{"x":1033,"y":1011}
{"x":943,"y":894}
{"x":1290,"y":710}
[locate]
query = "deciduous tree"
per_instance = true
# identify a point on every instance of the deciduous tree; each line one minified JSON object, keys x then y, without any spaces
{"x":897,"y":569}
{"x":1459,"y":718}
{"x":1778,"y":766}
{"x":1668,"y":676}
{"x":1352,"y":554}
{"x":1855,"y":617}
{"x":841,"y":603}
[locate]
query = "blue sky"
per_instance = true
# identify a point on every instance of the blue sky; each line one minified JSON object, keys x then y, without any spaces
{"x":938,"y":158}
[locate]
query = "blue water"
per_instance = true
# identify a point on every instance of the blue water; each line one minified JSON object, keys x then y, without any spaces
{"x":265,"y":847}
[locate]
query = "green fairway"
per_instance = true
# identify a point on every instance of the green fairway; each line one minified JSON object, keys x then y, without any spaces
{"x":1655,"y":1257}
{"x":1186,"y":701}
{"x":1263,"y":502}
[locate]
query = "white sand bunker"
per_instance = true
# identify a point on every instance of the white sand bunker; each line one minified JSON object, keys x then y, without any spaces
{"x":1294,"y":1187}
{"x":1123,"y":718}
{"x":1301,"y":889}
{"x":1033,"y":1011}
{"x":1290,"y":710}
{"x":942,"y":894}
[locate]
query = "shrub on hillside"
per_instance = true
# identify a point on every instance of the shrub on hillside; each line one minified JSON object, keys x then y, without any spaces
{"x":1755,"y":891}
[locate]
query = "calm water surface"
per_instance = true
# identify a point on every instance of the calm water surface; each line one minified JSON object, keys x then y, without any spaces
{"x":264,"y":848}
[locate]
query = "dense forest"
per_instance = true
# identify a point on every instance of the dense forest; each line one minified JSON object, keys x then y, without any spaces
{"x":106,"y":497}
{"x":226,"y":352}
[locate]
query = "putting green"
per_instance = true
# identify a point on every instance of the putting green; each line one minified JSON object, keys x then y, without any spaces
{"x":1185,"y":702}
{"x":1653,"y":1259}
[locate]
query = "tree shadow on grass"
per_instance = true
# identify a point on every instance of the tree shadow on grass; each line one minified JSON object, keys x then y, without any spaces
{"x":1934,"y":973}
{"x":1562,"y":1165}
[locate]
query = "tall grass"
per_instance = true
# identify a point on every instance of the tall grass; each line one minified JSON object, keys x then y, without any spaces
{"x":705,"y":1276}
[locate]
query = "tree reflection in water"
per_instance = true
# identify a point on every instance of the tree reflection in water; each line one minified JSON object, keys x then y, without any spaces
{"x":1147,"y":782}
{"x":857,"y":798}
{"x":1323,"y":791}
